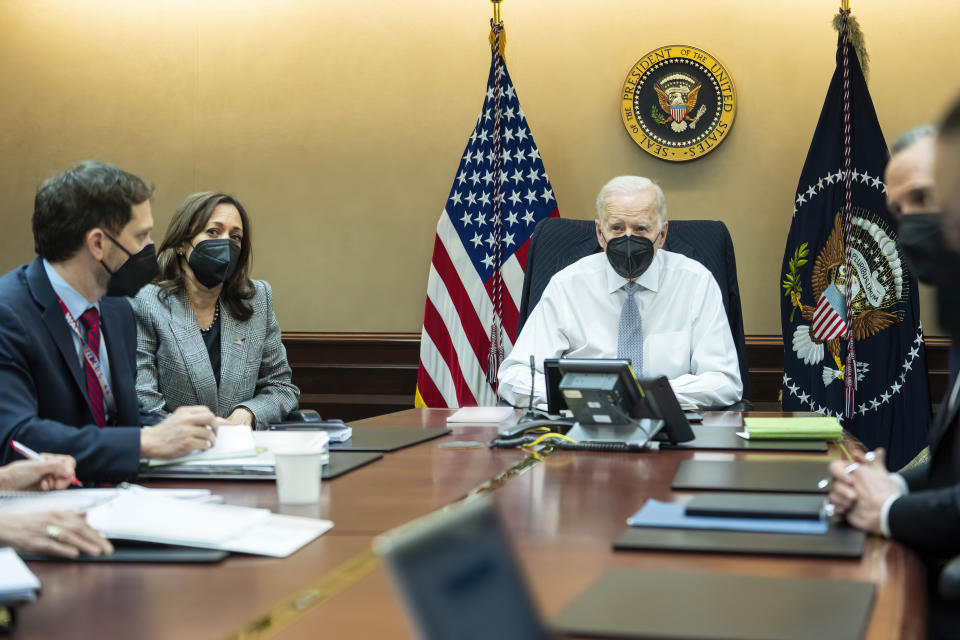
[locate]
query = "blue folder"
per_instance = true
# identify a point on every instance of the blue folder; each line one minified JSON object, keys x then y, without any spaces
{"x":673,"y":515}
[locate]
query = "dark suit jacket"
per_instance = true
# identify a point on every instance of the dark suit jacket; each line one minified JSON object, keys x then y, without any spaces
{"x":928,"y":518}
{"x":43,"y":401}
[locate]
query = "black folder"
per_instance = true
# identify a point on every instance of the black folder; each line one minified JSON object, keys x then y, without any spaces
{"x":840,"y":541}
{"x":386,"y":438}
{"x":783,"y":476}
{"x":135,"y":551}
{"x":756,"y":505}
{"x":626,"y":603}
{"x":340,"y":463}
{"x":727,"y":438}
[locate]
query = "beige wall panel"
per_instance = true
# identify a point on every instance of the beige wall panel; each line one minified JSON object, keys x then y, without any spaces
{"x":340,"y":124}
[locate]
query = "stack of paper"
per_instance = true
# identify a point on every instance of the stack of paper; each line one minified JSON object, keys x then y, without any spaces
{"x":79,"y":500}
{"x":148,"y":518}
{"x":483,"y":415}
{"x":17,"y":583}
{"x":792,"y":429}
{"x":233,"y":441}
{"x":266,"y":443}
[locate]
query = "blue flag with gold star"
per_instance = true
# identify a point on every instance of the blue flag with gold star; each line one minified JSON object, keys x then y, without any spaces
{"x":842,"y":273}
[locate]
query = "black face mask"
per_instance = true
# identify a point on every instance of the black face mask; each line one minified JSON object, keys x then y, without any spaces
{"x":920,"y":239}
{"x":139,"y":269}
{"x":630,"y":256}
{"x":948,"y":293}
{"x":213,"y":261}
{"x":920,"y":242}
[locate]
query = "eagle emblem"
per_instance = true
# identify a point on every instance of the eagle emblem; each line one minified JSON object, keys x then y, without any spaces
{"x":876,"y":287}
{"x":677,"y":94}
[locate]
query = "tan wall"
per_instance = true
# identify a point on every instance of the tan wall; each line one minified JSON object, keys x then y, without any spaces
{"x":340,"y":124}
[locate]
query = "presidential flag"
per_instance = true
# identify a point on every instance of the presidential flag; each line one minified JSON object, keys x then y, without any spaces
{"x":499,"y":194}
{"x":853,"y":345}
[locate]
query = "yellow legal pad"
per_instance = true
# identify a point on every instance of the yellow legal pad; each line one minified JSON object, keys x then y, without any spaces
{"x":793,"y":429}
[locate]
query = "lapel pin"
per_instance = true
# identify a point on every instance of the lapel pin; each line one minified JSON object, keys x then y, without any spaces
{"x":238,"y":341}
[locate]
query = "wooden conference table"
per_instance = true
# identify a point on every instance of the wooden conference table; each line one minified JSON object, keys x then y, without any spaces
{"x":562,"y":514}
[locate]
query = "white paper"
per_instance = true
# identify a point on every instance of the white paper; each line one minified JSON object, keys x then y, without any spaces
{"x":138,"y":516}
{"x":277,"y":536}
{"x":233,"y":441}
{"x":148,"y":518}
{"x":17,"y":582}
{"x":292,"y":441}
{"x":266,"y":442}
{"x":489,"y":415}
{"x":78,"y":500}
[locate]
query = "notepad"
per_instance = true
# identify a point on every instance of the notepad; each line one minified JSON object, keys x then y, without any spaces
{"x":266,"y":443}
{"x":486,"y":415}
{"x":233,"y":441}
{"x":17,"y":582}
{"x":819,"y":428}
{"x":673,"y":515}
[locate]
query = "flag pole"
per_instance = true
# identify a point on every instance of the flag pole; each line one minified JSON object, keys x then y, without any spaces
{"x":844,"y":6}
{"x":496,"y":10}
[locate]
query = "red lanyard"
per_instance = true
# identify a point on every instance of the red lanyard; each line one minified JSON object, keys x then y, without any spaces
{"x":91,"y":358}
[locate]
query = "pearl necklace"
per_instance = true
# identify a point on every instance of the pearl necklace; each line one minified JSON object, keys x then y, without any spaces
{"x":216,"y":314}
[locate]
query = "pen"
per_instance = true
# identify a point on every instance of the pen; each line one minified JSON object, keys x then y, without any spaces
{"x":868,"y":456}
{"x":29,"y":453}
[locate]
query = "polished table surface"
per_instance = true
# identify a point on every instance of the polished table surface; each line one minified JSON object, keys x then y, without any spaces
{"x":562,"y":514}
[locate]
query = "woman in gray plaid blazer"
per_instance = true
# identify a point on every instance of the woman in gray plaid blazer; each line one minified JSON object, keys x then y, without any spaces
{"x":206,"y":332}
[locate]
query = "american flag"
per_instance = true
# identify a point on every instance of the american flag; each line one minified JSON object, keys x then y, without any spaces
{"x":828,"y":317}
{"x":499,"y":194}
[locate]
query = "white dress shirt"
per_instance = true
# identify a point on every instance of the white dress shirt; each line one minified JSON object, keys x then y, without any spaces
{"x":686,"y":335}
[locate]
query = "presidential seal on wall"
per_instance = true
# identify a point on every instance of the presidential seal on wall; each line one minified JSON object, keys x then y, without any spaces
{"x":678,"y":103}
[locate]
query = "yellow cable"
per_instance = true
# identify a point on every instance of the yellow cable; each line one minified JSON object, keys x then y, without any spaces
{"x":547,"y":436}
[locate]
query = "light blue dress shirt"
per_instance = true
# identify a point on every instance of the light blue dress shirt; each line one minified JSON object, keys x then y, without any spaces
{"x":76,"y":304}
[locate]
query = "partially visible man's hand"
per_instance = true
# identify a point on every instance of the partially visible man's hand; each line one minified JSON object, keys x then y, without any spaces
{"x":186,"y":429}
{"x":873,"y":484}
{"x":61,"y":534}
{"x":53,"y":472}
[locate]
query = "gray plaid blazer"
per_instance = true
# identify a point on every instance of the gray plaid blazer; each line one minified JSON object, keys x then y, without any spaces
{"x":173,"y":367}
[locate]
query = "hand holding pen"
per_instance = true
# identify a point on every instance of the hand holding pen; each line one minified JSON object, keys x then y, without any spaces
{"x":38,"y":472}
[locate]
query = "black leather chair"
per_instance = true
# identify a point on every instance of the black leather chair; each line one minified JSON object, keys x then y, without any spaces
{"x":559,"y":242}
{"x":949,"y":582}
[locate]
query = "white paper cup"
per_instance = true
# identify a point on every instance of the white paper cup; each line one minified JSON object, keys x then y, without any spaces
{"x":298,"y":477}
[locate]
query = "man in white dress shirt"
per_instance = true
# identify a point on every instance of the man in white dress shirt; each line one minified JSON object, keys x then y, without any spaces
{"x":683,"y":328}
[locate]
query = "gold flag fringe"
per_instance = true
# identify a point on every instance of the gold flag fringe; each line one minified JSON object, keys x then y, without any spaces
{"x":855,"y":36}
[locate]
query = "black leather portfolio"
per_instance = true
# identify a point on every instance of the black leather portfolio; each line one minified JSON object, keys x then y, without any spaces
{"x":840,"y":541}
{"x":727,"y":438}
{"x":757,"y":505}
{"x":386,"y":438}
{"x":131,"y":551}
{"x":783,"y":476}
{"x":626,"y":603}
{"x":340,"y":463}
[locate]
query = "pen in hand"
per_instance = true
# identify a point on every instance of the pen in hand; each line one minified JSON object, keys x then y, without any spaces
{"x":30,"y":454}
{"x":869,"y":456}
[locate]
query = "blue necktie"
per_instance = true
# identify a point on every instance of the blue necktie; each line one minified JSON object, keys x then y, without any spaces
{"x":630,"y":337}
